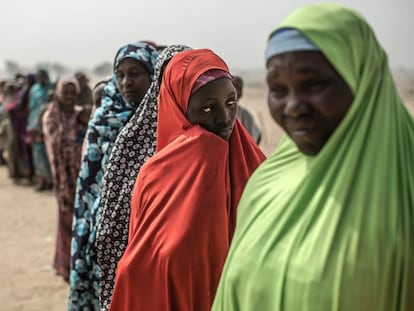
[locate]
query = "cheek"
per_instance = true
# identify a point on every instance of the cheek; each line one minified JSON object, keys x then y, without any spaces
{"x":192,"y":116}
{"x":144,"y":82}
{"x":275,"y":108}
{"x":335,"y":106}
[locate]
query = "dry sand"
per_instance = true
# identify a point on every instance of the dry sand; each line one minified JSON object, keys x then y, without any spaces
{"x":27,"y":238}
{"x":28,"y":220}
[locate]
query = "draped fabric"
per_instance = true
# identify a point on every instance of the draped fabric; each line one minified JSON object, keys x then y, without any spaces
{"x":334,"y":231}
{"x":134,"y":145}
{"x":63,"y":135}
{"x":184,"y":202}
{"x":38,"y":99}
{"x":103,"y":128}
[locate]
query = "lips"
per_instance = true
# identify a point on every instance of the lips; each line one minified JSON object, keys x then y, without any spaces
{"x":301,"y":130}
{"x":130,"y":94}
{"x":226,"y":132}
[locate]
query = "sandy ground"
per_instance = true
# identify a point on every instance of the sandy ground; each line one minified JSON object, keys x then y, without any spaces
{"x":28,"y":220}
{"x":27,"y":237}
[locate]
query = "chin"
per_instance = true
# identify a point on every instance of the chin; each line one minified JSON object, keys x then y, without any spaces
{"x":309,"y":149}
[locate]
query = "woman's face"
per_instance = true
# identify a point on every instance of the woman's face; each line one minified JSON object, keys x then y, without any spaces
{"x":132,"y":80}
{"x":68,"y":97}
{"x":307,"y":98}
{"x":214,"y":107}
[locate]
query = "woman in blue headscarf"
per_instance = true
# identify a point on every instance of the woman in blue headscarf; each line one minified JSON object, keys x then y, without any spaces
{"x":133,"y":74}
{"x":135,"y":144}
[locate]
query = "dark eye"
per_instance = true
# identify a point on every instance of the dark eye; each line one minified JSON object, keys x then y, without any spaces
{"x":207,"y":109}
{"x":136,"y":73}
{"x":315,"y":84}
{"x":278,"y":90}
{"x":232,"y":102}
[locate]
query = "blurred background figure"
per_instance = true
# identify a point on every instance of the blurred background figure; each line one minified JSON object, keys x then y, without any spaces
{"x":63,"y":132}
{"x":19,"y":117}
{"x":11,"y":124}
{"x":97,"y":93}
{"x":85,"y":95}
{"x":38,"y":99}
{"x":3,"y":123}
{"x":244,"y":115}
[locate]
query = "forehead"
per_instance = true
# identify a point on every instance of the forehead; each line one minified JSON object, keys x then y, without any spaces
{"x":300,"y":62}
{"x":129,"y":63}
{"x":69,"y":86}
{"x":218,"y":87}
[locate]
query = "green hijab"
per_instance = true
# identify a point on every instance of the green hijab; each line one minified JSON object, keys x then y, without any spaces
{"x":334,"y":231}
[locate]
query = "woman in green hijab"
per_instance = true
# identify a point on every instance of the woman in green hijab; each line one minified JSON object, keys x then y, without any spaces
{"x":327,"y":222}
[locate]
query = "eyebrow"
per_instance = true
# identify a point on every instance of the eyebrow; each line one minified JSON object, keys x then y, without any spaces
{"x":231,"y":93}
{"x":307,"y":70}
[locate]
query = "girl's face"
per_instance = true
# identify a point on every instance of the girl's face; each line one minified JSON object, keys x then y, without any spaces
{"x":214,"y":107}
{"x":68,"y":97}
{"x":307,"y":98}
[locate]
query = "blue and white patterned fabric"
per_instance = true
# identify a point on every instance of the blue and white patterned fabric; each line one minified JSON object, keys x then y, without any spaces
{"x":103,"y":128}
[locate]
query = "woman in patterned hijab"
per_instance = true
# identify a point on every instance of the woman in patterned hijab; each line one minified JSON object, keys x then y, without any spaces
{"x":133,"y":72}
{"x":134,"y":145}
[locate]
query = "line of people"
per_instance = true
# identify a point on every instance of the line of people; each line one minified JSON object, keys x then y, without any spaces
{"x":180,"y":189}
{"x":23,"y":101}
{"x":175,"y":206}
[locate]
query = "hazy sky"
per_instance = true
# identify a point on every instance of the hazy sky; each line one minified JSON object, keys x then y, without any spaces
{"x":85,"y":33}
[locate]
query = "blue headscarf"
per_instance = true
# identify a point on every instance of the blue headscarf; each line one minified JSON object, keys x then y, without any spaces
{"x":142,"y":52}
{"x":103,"y":128}
{"x":288,"y":40}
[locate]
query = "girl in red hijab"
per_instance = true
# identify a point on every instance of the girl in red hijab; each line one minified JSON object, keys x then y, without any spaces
{"x":183,"y":208}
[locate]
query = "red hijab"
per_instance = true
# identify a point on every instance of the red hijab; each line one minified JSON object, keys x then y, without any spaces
{"x":184,"y":203}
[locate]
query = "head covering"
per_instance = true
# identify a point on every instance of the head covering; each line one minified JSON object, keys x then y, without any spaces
{"x":143,"y":52}
{"x":67,"y":79}
{"x":134,"y":145}
{"x":44,"y":72}
{"x":103,"y":128}
{"x":181,"y":83}
{"x":208,"y":77}
{"x":333,"y":231}
{"x":288,"y":40}
{"x":184,"y":201}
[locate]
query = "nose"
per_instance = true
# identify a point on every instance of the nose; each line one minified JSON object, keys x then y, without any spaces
{"x":295,"y":105}
{"x":223,"y":116}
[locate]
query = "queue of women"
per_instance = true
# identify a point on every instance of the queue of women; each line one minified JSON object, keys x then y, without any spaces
{"x":166,"y":202}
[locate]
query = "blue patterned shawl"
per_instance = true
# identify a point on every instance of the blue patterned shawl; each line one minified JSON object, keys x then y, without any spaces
{"x":103,"y":128}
